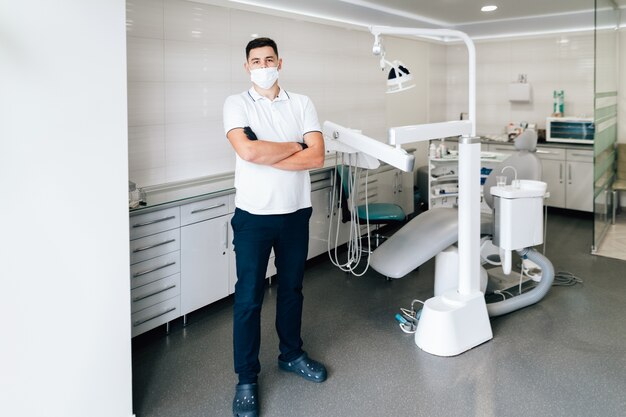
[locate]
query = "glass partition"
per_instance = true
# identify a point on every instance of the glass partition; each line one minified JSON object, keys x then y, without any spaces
{"x":605,"y":115}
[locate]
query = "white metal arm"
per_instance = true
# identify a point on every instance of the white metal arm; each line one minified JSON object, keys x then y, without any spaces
{"x":338,"y":138}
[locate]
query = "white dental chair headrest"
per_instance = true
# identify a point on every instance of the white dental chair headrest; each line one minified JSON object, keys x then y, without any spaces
{"x":526,"y":141}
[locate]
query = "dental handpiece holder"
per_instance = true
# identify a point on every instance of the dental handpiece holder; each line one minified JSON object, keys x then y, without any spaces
{"x":518,"y":217}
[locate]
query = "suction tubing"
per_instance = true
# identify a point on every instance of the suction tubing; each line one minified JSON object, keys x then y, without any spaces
{"x":531,"y":297}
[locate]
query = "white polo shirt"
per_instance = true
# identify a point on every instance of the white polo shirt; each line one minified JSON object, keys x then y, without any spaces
{"x":262,"y":189}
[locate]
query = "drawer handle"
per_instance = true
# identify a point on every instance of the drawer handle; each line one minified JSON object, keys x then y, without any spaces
{"x":156,"y":245}
{"x":164,"y":219}
{"x":141,"y":297}
{"x":586,"y":155}
{"x":372,"y":196}
{"x":138,"y":274}
{"x":208,"y":208}
{"x":138,"y":322}
{"x":372,"y":181}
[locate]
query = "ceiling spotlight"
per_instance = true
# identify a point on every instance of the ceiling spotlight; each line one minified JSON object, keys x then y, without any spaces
{"x":489,"y":8}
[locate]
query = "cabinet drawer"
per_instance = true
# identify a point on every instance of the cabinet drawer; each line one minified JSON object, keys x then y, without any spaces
{"x":155,"y":292}
{"x":204,"y":210}
{"x":551,"y":153}
{"x":145,"y":272}
{"x":154,"y":245}
{"x":580,"y":155}
{"x":157,"y":221}
{"x":154,"y":316}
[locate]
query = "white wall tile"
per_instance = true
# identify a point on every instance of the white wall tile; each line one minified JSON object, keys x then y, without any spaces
{"x":194,"y":102}
{"x":145,"y":177}
{"x":144,"y":59}
{"x":146,"y":147}
{"x":145,"y":103}
{"x":144,"y":18}
{"x":195,"y":142}
{"x":548,"y":64}
{"x":243,"y":24}
{"x":190,"y":21}
{"x":197,"y":149}
{"x":196,"y":62}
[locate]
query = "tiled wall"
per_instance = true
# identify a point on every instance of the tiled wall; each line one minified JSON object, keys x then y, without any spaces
{"x":556,"y":62}
{"x":185,"y":58}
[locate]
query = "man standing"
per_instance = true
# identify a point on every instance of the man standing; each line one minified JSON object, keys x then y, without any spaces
{"x":277,"y":138}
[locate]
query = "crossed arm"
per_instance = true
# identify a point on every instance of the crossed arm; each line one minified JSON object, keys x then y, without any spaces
{"x":288,"y":156}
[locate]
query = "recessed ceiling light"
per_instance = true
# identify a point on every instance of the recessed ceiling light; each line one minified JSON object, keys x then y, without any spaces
{"x":489,"y":8}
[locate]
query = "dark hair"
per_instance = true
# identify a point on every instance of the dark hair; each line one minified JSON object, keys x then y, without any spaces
{"x":260,"y":43}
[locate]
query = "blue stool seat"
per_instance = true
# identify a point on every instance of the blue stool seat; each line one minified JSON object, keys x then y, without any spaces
{"x":381,"y":213}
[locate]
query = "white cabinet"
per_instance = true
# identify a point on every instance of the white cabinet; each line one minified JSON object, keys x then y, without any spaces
{"x":579,"y":185}
{"x":320,"y":220}
{"x":568,"y":171}
{"x":569,"y":175}
{"x":553,"y":174}
{"x":204,"y":253}
{"x":182,"y":257}
{"x":155,"y":269}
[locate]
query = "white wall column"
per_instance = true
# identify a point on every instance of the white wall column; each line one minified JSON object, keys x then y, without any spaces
{"x":65,"y":345}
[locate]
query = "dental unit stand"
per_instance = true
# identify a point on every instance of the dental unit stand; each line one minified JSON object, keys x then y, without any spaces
{"x":457,"y":320}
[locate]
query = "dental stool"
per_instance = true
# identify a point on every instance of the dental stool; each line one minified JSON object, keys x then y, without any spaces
{"x":377,"y":214}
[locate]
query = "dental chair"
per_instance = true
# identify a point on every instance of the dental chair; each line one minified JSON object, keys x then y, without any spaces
{"x":434,"y":232}
{"x":375,"y":213}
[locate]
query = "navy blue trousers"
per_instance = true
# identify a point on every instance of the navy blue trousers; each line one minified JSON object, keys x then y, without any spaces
{"x":254,"y":238}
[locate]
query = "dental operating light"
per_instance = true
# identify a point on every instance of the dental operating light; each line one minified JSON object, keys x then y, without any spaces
{"x":399,"y":77}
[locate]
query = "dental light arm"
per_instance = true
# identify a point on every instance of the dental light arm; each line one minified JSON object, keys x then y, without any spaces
{"x":378,"y":49}
{"x":418,"y":133}
{"x":338,"y":138}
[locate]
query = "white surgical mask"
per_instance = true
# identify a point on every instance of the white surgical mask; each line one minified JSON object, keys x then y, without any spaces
{"x":264,"y":77}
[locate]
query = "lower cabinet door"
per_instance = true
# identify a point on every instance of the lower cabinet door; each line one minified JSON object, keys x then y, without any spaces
{"x":204,"y":272}
{"x":553,"y":173}
{"x":579,"y":189}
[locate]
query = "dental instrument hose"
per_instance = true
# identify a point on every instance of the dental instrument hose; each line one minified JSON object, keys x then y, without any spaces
{"x":354,"y":244}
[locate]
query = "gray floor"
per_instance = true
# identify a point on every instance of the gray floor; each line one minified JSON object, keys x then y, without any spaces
{"x":565,"y":356}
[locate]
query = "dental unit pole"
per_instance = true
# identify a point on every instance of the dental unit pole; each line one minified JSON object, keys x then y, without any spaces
{"x":455,"y":321}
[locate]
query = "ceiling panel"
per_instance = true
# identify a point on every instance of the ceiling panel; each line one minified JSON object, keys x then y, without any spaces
{"x":512,"y":18}
{"x":459,"y":12}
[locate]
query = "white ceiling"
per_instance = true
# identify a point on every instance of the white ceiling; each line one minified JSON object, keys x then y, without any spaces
{"x":513,"y":17}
